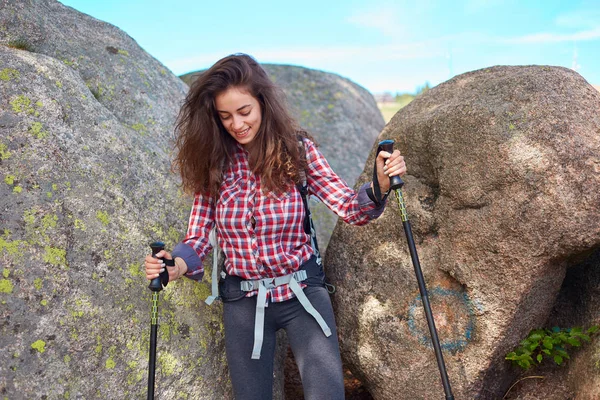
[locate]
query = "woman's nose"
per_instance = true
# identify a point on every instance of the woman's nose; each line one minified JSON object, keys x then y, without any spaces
{"x":238,"y":123}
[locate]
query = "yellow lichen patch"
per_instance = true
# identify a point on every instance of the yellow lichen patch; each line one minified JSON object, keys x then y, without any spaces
{"x":22,"y":104}
{"x":110,"y":363}
{"x":37,"y":283}
{"x":4,"y":153}
{"x":55,"y":256}
{"x":10,"y":247}
{"x":39,"y":345}
{"x":37,"y":130}
{"x":10,"y":179}
{"x":169,"y":364}
{"x":79,"y":224}
{"x":6,"y":286}
{"x":8,"y":74}
{"x":102,"y":216}
{"x":140,"y":128}
{"x":136,"y":270}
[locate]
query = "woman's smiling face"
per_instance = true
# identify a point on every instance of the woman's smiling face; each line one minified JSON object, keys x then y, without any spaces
{"x":240,"y":114}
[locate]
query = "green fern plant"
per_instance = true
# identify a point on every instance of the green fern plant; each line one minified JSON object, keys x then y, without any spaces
{"x":552,"y":343}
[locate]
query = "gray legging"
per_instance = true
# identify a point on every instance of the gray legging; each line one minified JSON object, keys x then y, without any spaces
{"x":317,"y":356}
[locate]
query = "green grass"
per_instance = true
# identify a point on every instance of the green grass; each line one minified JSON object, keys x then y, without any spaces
{"x":388,"y":110}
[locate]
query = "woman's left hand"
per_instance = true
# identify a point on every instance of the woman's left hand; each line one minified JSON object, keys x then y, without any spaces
{"x":389,"y":165}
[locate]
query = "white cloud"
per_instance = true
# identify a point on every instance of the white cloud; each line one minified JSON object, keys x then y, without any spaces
{"x":475,"y":6}
{"x":385,"y":19}
{"x":323,"y":57}
{"x":549,"y":37}
{"x":579,"y":19}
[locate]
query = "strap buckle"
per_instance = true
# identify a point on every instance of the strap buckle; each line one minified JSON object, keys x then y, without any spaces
{"x":268,"y":283}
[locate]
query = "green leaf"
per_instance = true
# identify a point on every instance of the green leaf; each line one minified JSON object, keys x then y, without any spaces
{"x":539,"y":358}
{"x":558,"y":359}
{"x":533,"y":346}
{"x":525,"y":343}
{"x":524,"y":364}
{"x":546,"y":351}
{"x":584,"y":337}
{"x":574,"y":342}
{"x":548,"y":344}
{"x":535,"y":336}
{"x":561,"y":353}
{"x":555,"y":329}
{"x":593,"y":329}
{"x":562,"y":337}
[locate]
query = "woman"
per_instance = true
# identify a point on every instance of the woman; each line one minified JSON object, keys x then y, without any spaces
{"x":243,"y":156}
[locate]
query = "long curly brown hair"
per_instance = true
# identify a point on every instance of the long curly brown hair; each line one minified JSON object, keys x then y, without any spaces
{"x":203,"y":147}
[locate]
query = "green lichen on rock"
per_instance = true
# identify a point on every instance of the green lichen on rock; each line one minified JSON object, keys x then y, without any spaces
{"x":55,"y":256}
{"x":37,"y":130}
{"x":79,"y":224}
{"x":22,"y":104}
{"x":4,"y":153}
{"x":9,"y":73}
{"x":37,"y":283}
{"x":6,"y":286}
{"x":102,"y":216}
{"x":6,"y":273}
{"x":140,"y":128}
{"x":49,"y":221}
{"x":110,"y":363}
{"x":10,"y":247}
{"x":39,"y":345}
{"x":168,"y":363}
{"x":10,"y":179}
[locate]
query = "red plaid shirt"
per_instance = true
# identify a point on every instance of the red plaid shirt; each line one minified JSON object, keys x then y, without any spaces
{"x":262,"y":235}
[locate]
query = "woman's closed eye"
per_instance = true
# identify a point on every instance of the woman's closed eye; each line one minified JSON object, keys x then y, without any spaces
{"x":226,"y":117}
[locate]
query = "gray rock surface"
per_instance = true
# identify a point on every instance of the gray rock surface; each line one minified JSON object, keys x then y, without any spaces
{"x":502,"y":193}
{"x":343,"y":118}
{"x":86,"y":122}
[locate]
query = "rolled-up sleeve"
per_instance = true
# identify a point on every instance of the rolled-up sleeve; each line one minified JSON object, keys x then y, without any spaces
{"x":354,"y":207}
{"x":195,"y":246}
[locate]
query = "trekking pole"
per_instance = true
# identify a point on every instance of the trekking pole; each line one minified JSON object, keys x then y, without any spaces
{"x":396,"y":184}
{"x":156,"y":285}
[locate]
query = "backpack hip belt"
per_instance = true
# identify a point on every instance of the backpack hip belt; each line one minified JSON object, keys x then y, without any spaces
{"x":261,"y":303}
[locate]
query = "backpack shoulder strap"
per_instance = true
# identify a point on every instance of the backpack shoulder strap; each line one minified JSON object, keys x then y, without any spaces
{"x":309,"y":226}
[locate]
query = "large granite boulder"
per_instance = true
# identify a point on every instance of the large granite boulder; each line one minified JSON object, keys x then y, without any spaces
{"x":86,"y":122}
{"x":343,"y":118}
{"x":502,"y":191}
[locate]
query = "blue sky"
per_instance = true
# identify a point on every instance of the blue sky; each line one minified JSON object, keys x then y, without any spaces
{"x":393,"y":46}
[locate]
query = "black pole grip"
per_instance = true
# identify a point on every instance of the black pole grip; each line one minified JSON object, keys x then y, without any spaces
{"x":156,"y":284}
{"x":388,"y":145}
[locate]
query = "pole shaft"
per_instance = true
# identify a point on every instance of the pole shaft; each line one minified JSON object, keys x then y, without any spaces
{"x":424,"y":297}
{"x":153,"y":334}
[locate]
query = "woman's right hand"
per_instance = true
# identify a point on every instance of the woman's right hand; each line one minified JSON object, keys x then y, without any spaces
{"x":154,"y":266}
